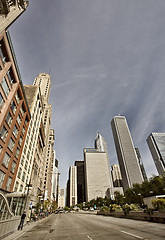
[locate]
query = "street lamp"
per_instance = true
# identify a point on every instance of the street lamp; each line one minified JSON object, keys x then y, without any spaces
{"x":29,"y":187}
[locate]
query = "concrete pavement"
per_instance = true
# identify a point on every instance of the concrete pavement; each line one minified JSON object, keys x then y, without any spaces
{"x":26,"y":228}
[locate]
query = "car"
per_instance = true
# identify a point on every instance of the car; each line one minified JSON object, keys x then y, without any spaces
{"x":91,"y":209}
{"x":60,"y":211}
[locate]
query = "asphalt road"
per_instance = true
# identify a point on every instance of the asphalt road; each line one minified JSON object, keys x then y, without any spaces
{"x":77,"y":226}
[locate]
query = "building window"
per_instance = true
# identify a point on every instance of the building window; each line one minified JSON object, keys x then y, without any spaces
{"x":2,"y":176}
{"x":8,"y":183}
{"x":3,"y":133}
{"x":19,"y":120}
{"x":25,"y":148}
{"x":26,"y":164}
{"x":11,"y":144}
{"x":10,"y":77}
{"x":15,"y":131}
{"x":6,"y":160}
{"x":17,"y":153}
{"x":9,"y":119}
{"x":19,"y":173}
{"x":5,"y":87}
{"x":13,"y":107}
{"x":20,"y":141}
{"x":1,"y":149}
{"x":17,"y":98}
{"x":26,"y":122}
{"x":23,"y":130}
{"x":13,"y":166}
{"x":22,"y":111}
{"x":16,"y":187}
{"x":28,"y":154}
{"x":21,"y":188}
{"x":1,"y":101}
{"x":2,"y":54}
{"x":23,"y":176}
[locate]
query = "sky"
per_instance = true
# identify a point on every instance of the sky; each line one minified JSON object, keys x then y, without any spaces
{"x":105,"y":58}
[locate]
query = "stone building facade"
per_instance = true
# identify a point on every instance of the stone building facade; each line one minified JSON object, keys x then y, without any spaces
{"x":97,"y":178}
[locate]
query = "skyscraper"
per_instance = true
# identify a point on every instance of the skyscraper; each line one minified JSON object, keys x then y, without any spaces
{"x":97,"y":178}
{"x":73,"y":185}
{"x":49,"y":165}
{"x":156,"y":144}
{"x":141,"y":164}
{"x":101,"y":145}
{"x":116,"y":176}
{"x":61,"y":198}
{"x":55,"y":175}
{"x":43,"y":80}
{"x":129,"y":166}
{"x":80,"y":181}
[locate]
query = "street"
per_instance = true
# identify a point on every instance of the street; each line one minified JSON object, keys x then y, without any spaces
{"x":93,"y":227}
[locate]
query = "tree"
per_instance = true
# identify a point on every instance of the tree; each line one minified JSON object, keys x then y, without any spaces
{"x":54,"y":205}
{"x":119,"y":198}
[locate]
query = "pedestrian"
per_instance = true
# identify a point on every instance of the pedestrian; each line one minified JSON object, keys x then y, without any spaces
{"x":22,"y":221}
{"x":28,"y":220}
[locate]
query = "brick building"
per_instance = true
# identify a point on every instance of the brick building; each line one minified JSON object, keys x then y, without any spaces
{"x":14,"y":114}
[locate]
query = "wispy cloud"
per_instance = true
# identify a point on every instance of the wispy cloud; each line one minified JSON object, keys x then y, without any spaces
{"x":106,"y":58}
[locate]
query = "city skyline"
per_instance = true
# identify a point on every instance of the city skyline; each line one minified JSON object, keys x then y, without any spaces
{"x":107,"y":63}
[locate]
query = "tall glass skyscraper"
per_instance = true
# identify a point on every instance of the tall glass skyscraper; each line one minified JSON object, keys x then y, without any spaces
{"x":129,"y":166}
{"x":156,"y":144}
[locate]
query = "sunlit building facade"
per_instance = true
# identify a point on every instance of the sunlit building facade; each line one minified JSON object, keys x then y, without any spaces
{"x":61,"y":198}
{"x":43,"y":80}
{"x":14,"y":114}
{"x":73,"y":185}
{"x":101,"y":145}
{"x":128,"y":161}
{"x":27,"y":157}
{"x":97,"y":178}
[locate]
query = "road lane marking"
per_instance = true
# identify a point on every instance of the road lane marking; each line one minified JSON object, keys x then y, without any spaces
{"x":132,"y":235}
{"x":89,"y":237}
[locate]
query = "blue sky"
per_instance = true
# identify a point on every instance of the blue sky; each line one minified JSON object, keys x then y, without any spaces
{"x":105,"y":58}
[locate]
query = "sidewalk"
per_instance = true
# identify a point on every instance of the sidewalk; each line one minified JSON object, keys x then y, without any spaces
{"x":26,"y":228}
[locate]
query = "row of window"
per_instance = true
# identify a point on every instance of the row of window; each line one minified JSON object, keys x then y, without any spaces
{"x":5,"y":86}
{"x":2,"y":177}
{"x":16,"y":187}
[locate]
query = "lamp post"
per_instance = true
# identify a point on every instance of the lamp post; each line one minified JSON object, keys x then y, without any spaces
{"x":29,"y":187}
